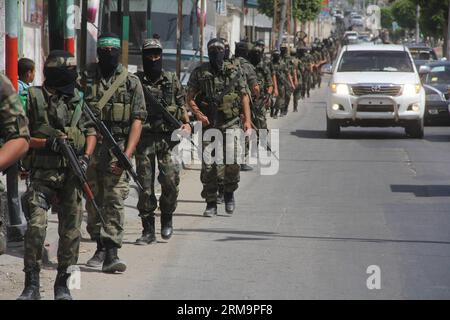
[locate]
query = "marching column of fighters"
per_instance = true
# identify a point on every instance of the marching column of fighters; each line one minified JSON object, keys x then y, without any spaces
{"x":82,"y":134}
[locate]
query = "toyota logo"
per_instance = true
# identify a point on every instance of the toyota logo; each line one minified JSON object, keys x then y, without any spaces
{"x":376,"y":89}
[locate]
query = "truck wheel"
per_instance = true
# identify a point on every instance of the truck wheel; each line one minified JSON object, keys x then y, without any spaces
{"x":415,"y":129}
{"x":333,"y":129}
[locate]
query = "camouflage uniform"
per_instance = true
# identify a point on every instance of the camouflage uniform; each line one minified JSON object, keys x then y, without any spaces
{"x":281,"y":70}
{"x":306,"y":62}
{"x":110,"y":190}
{"x":208,"y":83}
{"x":155,"y":144}
{"x":288,"y":60}
{"x":298,"y":90}
{"x":264,"y":77}
{"x":52,"y":180}
{"x":13,"y":125}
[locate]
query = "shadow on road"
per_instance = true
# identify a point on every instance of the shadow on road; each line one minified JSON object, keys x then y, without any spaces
{"x":423,"y":190}
{"x":319,"y":238}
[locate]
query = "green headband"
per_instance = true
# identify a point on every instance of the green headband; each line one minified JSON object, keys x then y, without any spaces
{"x":108,"y":42}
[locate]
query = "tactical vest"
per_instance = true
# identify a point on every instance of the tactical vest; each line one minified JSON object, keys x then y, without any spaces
{"x":213,"y":85}
{"x":51,"y":121}
{"x":116,"y":114}
{"x":164,"y":91}
{"x":279,"y":70}
{"x":261,"y":74}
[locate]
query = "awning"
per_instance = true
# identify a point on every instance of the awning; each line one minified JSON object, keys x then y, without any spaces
{"x":251,"y":3}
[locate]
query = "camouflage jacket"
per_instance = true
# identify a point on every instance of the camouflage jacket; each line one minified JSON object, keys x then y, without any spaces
{"x":166,"y":89}
{"x":126,"y":105}
{"x":264,"y":76}
{"x":52,"y":115}
{"x":248,"y":71}
{"x":208,"y":84}
{"x":13,"y":123}
{"x":281,"y":71}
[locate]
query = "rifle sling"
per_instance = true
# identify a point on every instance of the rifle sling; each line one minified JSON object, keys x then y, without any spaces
{"x":110,"y":92}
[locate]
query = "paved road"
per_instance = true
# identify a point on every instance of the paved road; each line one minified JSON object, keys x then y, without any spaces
{"x":335,"y":208}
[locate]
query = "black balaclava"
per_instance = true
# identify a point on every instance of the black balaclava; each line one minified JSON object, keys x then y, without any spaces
{"x":255,"y":56}
{"x":216,"y":57}
{"x":241,"y":50}
{"x":152,"y":69}
{"x":108,"y":60}
{"x":276,"y":57}
{"x":58,"y":75}
{"x":283,"y":51}
{"x":300,"y":53}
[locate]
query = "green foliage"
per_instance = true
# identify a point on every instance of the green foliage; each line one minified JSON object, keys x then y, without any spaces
{"x":433,"y":17}
{"x":404,"y":12}
{"x":303,"y":10}
{"x":386,"y":18}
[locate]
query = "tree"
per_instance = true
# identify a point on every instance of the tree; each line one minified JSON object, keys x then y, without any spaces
{"x":404,"y":12}
{"x":303,"y":10}
{"x":386,"y":18}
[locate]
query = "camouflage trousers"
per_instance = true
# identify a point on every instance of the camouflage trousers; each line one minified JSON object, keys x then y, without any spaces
{"x":280,"y":101}
{"x":48,"y":187}
{"x":287,"y":100}
{"x":110,"y":192}
{"x":152,"y":148}
{"x":297,"y":95}
{"x":213,"y":173}
{"x":306,"y":87}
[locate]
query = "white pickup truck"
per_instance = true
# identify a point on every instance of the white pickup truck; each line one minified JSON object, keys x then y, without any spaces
{"x":375,"y":85}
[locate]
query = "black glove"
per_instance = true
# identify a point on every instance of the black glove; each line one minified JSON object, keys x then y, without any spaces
{"x":52,"y":144}
{"x":84,"y":162}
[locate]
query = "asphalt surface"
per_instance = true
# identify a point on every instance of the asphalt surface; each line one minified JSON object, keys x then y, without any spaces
{"x":335,"y":208}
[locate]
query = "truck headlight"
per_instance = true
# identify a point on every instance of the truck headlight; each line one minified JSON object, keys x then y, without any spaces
{"x":340,"y":88}
{"x":411,"y":89}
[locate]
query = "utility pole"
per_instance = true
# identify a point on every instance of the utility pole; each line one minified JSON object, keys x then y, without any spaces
{"x":69,"y":27}
{"x":274,"y":24}
{"x":448,"y":34}
{"x":282,"y":23}
{"x":202,"y":29}
{"x":242,"y":20}
{"x":125,"y":32}
{"x":83,"y":54}
{"x":149,"y":19}
{"x":179,"y":36}
{"x":418,"y":24}
{"x":12,"y":44}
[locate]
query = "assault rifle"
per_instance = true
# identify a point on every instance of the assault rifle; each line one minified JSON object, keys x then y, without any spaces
{"x":68,"y":153}
{"x":123,"y":160}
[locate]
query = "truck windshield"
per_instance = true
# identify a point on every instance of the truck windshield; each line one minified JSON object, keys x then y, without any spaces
{"x":375,"y":61}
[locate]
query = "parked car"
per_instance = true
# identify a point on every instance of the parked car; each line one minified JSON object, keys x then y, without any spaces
{"x":422,"y":54}
{"x":437,"y":85}
{"x":375,"y":86}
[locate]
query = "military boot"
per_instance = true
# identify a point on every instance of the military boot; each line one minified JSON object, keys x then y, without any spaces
{"x":211,"y":210}
{"x":112,"y":262}
{"x":245,"y":167}
{"x":229,"y":202}
{"x":99,"y":256}
{"x":31,"y":291}
{"x":220,"y":198}
{"x":61,"y":290}
{"x":166,"y":226}
{"x":148,"y":233}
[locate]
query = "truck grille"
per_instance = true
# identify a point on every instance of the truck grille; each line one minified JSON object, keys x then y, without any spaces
{"x":375,"y":108}
{"x":387,"y":90}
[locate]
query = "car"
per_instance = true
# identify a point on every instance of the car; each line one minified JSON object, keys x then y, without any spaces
{"x":422,"y":54}
{"x":357,"y":21}
{"x":375,"y":86}
{"x":437,"y":85}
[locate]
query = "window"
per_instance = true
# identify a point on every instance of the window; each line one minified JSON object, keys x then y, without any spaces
{"x":375,"y":61}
